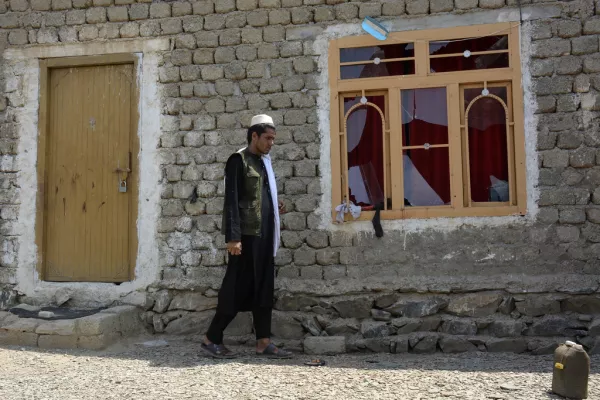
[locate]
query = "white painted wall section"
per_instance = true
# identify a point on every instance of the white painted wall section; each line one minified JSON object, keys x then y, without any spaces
{"x":24,"y":65}
{"x":321,"y":46}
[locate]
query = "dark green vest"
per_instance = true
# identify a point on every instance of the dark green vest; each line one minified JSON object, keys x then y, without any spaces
{"x":250,"y":197}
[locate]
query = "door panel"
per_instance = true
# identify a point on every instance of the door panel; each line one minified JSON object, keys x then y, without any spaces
{"x":87,"y":218}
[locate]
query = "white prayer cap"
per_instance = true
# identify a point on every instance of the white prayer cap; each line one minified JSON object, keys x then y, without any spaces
{"x":262,"y":119}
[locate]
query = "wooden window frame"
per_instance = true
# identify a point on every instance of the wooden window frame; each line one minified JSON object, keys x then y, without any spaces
{"x":46,"y":64}
{"x":460,"y":205}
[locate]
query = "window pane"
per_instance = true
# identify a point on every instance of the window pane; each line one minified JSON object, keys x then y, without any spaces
{"x":426,"y":177}
{"x":393,"y":68}
{"x":461,"y":63}
{"x":488,"y":158}
{"x":500,"y":91}
{"x":488,"y":43}
{"x":424,"y":117}
{"x":365,"y":152}
{"x":384,"y":52}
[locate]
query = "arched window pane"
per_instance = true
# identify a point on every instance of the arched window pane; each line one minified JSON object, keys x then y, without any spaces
{"x":365,"y":151}
{"x":488,"y":149}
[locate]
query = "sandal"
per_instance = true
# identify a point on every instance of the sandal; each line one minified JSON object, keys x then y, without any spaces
{"x":218,"y":351}
{"x":271,"y":351}
{"x":317,"y":362}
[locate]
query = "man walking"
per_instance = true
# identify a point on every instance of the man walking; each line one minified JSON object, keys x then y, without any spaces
{"x":251,"y":228}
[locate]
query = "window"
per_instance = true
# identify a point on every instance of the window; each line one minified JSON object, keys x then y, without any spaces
{"x":429,"y":123}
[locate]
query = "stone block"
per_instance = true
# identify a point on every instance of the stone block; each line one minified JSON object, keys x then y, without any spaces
{"x":555,"y":159}
{"x":323,"y":14}
{"x":269,"y":3}
{"x":542,"y":67}
{"x":95,"y":15}
{"x":354,"y":308}
{"x":550,"y":325}
{"x":275,"y":33}
{"x":572,"y":216}
{"x":424,"y":344}
{"x":506,"y":345}
{"x":334,"y":272}
{"x":57,"y":342}
{"x":466,"y":4}
{"x":491,"y":4}
{"x":593,"y":215}
{"x":438,"y":6}
{"x":380,"y":315}
{"x":569,"y":140}
{"x":97,"y":342}
{"x":568,"y":28}
{"x":346,"y":327}
{"x":407,"y":325}
{"x":456,"y":345}
{"x":302,"y":16}
{"x":60,"y":327}
{"x":591,"y":26}
{"x":41,"y":5}
{"x":181,"y":8}
{"x":24,"y":325}
{"x":551,"y":48}
{"x":258,"y":18}
{"x":459,"y":327}
{"x":541,"y":30}
{"x":18,"y":37}
{"x":14,"y":338}
{"x":567,"y":234}
{"x":98,"y":324}
{"x":582,"y":158}
{"x":346,"y":12}
{"x":369,"y":10}
{"x":303,"y":257}
{"x":591,"y":64}
{"x":417,"y":306}
{"x":375,"y":329}
{"x":583,"y":304}
{"x":506,"y":328}
{"x":285,"y":326}
{"x":417,"y":7}
{"x":556,"y":85}
{"x":160,"y":10}
{"x":474,"y":305}
{"x":569,"y":65}
{"x":289,"y":302}
{"x":139,"y":11}
{"x":590,"y":101}
{"x":584,"y":45}
{"x":328,"y":345}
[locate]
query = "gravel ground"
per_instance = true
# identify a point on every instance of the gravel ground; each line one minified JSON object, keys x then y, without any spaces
{"x":178,"y":371}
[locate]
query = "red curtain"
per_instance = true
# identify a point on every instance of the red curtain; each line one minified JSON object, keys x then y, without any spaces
{"x":432,"y":164}
{"x":487,"y":147}
{"x":370,"y":147}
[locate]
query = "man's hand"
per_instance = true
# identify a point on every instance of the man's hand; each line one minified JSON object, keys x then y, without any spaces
{"x":234,"y":248}
{"x":281,"y":207}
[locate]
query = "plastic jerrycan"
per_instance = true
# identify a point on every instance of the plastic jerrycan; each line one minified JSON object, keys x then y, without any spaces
{"x":571,"y":371}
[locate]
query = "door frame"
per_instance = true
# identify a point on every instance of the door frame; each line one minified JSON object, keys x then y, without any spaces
{"x":43,"y":127}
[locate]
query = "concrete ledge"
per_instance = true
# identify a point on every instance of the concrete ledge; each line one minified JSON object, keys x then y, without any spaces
{"x":89,"y":49}
{"x":94,"y":332}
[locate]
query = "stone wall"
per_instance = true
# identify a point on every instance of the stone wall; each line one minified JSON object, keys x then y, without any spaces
{"x":514,"y":285}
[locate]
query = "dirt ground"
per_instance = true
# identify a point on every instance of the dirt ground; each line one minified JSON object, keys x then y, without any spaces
{"x":175,"y":369}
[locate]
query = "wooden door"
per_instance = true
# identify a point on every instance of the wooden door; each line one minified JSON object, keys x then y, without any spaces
{"x":88,"y":221}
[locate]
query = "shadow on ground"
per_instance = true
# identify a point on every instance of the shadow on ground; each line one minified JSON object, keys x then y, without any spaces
{"x":178,"y":352}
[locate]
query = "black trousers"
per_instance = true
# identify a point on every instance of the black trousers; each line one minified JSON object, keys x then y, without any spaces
{"x":262,"y":324}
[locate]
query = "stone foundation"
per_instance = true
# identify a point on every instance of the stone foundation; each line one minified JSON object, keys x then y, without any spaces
{"x":508,"y":283}
{"x":394,"y":322}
